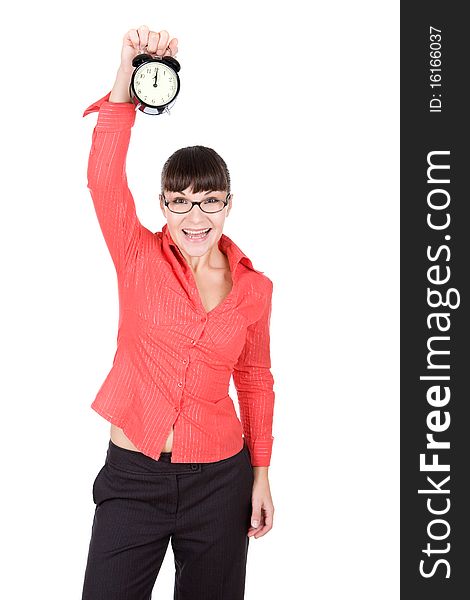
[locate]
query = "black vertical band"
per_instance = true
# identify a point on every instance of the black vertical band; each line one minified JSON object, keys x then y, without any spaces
{"x":435,"y":315}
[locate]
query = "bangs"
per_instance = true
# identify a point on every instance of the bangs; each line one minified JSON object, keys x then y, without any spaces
{"x":197,"y":167}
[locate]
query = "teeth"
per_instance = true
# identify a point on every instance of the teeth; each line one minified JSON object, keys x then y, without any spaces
{"x":196,"y":231}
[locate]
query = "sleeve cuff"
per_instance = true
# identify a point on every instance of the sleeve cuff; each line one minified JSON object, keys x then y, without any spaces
{"x":112,"y":116}
{"x":260,"y":451}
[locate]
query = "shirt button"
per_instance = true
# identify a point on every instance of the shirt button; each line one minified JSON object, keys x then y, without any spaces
{"x":193,"y":467}
{"x":180,"y":383}
{"x":176,"y":409}
{"x":184,"y":361}
{"x":193,"y":341}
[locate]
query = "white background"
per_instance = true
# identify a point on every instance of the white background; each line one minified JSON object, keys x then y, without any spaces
{"x":301,"y":99}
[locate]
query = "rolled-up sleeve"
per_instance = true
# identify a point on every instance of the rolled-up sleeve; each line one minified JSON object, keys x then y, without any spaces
{"x":254,"y":383}
{"x":107,"y":179}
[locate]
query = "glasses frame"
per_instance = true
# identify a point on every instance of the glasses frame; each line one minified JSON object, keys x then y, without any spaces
{"x":167,"y":202}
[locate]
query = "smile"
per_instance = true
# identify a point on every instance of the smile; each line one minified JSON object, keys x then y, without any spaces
{"x":196,"y":234}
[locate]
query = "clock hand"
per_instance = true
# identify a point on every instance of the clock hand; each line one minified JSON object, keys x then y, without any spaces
{"x":156,"y":75}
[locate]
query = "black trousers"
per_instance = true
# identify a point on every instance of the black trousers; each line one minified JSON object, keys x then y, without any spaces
{"x":142,"y":504}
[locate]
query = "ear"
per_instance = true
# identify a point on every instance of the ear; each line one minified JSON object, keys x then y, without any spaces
{"x":162,"y":205}
{"x":229,"y":205}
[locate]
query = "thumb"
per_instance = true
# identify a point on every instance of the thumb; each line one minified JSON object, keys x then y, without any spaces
{"x":256,"y":517}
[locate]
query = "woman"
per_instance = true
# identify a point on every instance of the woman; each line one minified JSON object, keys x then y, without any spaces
{"x":180,"y":465}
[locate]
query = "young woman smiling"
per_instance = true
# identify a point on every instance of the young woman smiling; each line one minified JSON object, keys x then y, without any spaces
{"x":180,"y":465}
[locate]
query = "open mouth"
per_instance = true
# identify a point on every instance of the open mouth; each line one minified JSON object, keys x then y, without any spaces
{"x":196,"y":234}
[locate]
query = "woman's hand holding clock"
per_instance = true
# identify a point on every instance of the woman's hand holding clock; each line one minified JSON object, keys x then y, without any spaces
{"x":138,"y":41}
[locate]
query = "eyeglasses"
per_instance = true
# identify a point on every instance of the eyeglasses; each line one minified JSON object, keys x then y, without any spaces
{"x":208,"y":205}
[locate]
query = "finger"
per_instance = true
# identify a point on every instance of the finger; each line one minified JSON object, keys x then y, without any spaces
{"x":268,"y":524}
{"x":152,"y":42}
{"x":133,"y":37}
{"x":163,"y":42}
{"x":143,"y":32}
{"x":253,"y":530}
{"x":263,"y":531}
{"x":256,"y":527}
{"x":172,"y":48}
{"x":268,"y":517}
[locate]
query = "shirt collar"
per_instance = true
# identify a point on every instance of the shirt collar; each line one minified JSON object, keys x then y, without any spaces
{"x":95,"y":107}
{"x":226,"y":245}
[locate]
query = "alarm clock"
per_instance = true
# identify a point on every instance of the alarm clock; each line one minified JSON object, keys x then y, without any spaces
{"x":155,"y":83}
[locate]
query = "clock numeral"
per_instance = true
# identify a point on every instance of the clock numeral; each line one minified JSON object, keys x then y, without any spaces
{"x":149,"y":70}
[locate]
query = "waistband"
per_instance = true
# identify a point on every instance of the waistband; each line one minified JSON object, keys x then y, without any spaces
{"x":137,"y":462}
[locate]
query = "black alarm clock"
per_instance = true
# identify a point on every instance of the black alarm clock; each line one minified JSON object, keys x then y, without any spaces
{"x":155,"y":83}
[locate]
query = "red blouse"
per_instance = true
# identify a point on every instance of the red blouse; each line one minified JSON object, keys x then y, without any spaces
{"x":174,"y":360}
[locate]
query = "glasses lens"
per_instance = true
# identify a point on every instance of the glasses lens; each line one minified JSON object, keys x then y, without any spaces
{"x":212,"y":205}
{"x":180,"y":205}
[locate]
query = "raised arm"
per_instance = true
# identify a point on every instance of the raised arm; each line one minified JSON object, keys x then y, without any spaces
{"x":254,"y":384}
{"x":107,"y":180}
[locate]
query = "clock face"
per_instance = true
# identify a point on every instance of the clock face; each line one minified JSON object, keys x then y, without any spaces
{"x":155,"y":83}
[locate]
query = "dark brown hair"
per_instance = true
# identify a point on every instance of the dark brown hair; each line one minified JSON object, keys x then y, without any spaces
{"x":198,"y":167}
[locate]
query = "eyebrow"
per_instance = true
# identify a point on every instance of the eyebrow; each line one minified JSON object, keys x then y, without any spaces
{"x":204,"y":194}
